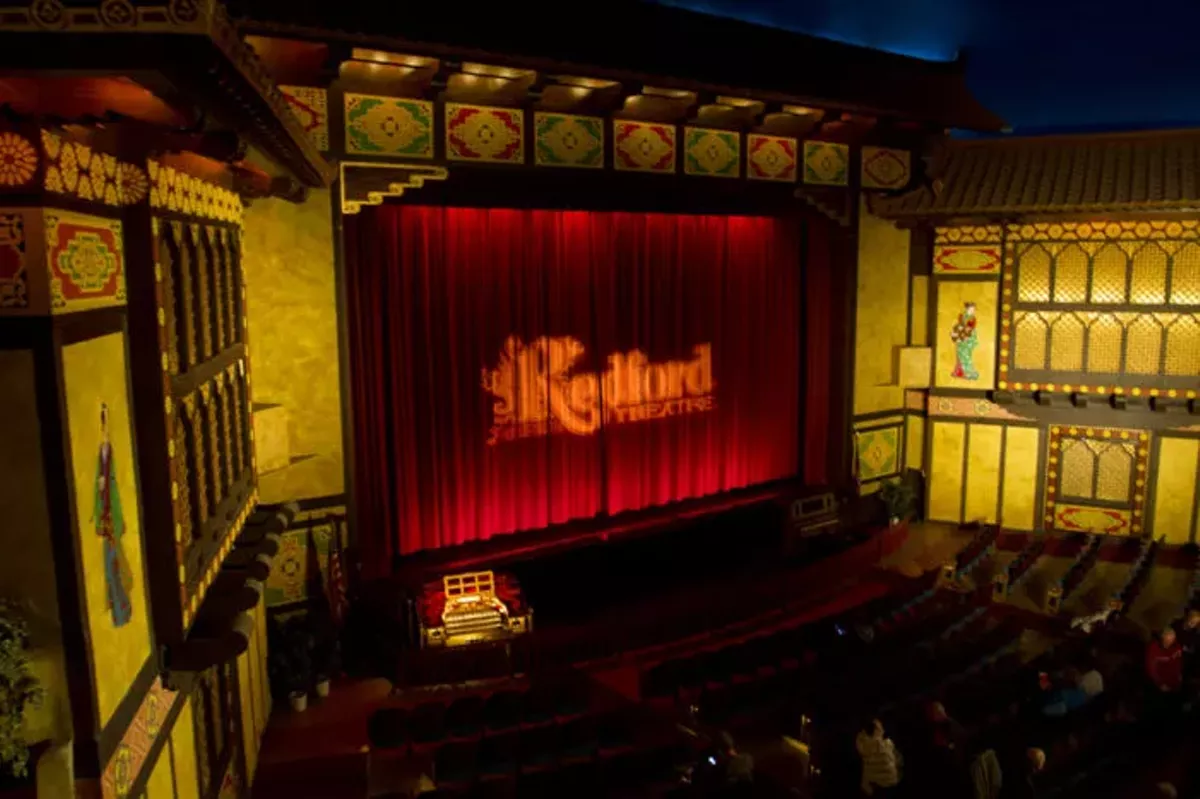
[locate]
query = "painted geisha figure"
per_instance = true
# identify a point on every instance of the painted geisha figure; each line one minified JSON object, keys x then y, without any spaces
{"x":965,"y":341}
{"x":110,"y":526}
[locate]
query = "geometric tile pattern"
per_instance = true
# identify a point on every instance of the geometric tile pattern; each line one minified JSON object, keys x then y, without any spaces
{"x":389,"y":126}
{"x":877,"y":452}
{"x":568,"y":140}
{"x":715,"y":153}
{"x":885,"y":168}
{"x":771,"y":158}
{"x":643,"y":146}
{"x":826,"y":163}
{"x":85,"y":261}
{"x":484,"y":134}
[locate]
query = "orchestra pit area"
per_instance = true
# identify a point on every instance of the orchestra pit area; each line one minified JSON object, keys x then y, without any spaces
{"x":636,"y":661}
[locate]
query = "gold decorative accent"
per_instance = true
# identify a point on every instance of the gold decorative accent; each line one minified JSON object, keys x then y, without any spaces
{"x":179,"y":192}
{"x":969,"y":234}
{"x":18,"y":160}
{"x":417,"y":175}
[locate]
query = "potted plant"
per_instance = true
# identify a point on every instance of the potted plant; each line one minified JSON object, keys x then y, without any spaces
{"x":900,"y":499}
{"x":18,"y":690}
{"x":327,"y":654}
{"x":291,"y":662}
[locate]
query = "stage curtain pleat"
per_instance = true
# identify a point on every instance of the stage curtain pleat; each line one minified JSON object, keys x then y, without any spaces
{"x":820,"y":311}
{"x":433,"y":294}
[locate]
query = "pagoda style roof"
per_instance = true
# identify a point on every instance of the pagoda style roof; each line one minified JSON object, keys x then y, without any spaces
{"x":1093,"y":174}
{"x":631,"y":41}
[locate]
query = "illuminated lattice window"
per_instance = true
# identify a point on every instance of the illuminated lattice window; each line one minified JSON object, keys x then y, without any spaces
{"x":1109,"y":304}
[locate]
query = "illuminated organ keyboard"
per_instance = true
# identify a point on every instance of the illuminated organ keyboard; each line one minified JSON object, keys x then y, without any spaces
{"x":472,"y":608}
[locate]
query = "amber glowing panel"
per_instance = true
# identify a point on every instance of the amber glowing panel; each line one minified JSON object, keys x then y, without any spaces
{"x":1096,"y":480}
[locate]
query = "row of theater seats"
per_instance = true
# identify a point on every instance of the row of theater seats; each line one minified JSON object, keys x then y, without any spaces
{"x":431,"y":724}
{"x":766,"y":656}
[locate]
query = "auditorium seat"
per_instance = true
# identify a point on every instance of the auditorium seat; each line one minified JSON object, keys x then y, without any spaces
{"x":427,"y":724}
{"x":503,"y":710}
{"x":464,"y":717}
{"x":498,"y":756}
{"x":614,"y":734}
{"x":539,"y":748}
{"x":387,"y":728}
{"x":579,"y":740}
{"x":454,"y":764}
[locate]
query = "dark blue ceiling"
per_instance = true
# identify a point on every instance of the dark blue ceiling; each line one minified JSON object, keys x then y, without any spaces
{"x":1042,"y":65}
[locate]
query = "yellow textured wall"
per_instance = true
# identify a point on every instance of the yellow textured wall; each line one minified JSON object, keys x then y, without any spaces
{"x":1175,"y":489}
{"x":182,"y":747}
{"x":918,"y":327}
{"x":94,"y":373}
{"x":1021,"y":478}
{"x":161,"y":782}
{"x":291,"y":307}
{"x":984,"y":442}
{"x":914,"y":443}
{"x":945,"y":483}
{"x":881,"y":319}
{"x":27,"y":568}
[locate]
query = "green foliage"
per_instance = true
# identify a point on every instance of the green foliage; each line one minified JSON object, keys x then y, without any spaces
{"x":18,"y":689}
{"x":900,"y":499}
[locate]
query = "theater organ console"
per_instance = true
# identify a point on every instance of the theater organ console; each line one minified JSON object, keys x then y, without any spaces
{"x":473,"y":608}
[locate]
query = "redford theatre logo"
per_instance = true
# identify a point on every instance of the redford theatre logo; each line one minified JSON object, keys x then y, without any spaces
{"x":538,"y":392}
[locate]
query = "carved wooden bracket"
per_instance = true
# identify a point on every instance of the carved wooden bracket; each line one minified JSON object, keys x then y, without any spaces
{"x":370,"y":183}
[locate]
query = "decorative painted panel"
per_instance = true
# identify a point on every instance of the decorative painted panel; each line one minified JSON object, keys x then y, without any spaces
{"x":771,"y":158}
{"x":484,"y":134}
{"x":389,"y":126}
{"x":14,"y":261}
{"x":1102,"y":308}
{"x":970,"y":408}
{"x":288,"y":581}
{"x":714,"y":153}
{"x":130,"y":756}
{"x":877,"y":452}
{"x":85,"y":261}
{"x":568,"y":140}
{"x":1096,"y":480}
{"x":966,"y":334}
{"x":885,"y":168}
{"x":643,"y":146}
{"x":18,"y":161}
{"x":310,"y":106}
{"x":826,"y":163}
{"x":99,"y":420}
{"x":75,"y":170}
{"x":966,"y":259}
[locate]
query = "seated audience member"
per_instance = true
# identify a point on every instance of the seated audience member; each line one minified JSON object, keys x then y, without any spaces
{"x":881,"y":762}
{"x":1018,"y":772}
{"x":987,"y":778}
{"x":945,"y":732}
{"x":1091,"y":681}
{"x":739,"y":767}
{"x":1164,"y":662}
{"x":1189,"y":639}
{"x":1069,"y":697}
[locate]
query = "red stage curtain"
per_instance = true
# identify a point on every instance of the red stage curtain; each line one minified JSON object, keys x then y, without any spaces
{"x":434,"y":294}
{"x":820,"y":311}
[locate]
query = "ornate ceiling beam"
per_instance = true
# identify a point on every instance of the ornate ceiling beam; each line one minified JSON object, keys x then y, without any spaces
{"x":193,"y":46}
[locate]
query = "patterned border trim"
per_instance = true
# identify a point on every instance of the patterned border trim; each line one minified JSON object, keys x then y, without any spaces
{"x":214,"y":566}
{"x":76,"y":170}
{"x":967,"y":260}
{"x":1007,"y":314}
{"x":971,"y":409}
{"x":415,"y":176}
{"x":1105,"y":231}
{"x":1141,"y":465}
{"x":977,"y":234}
{"x":178,"y":192}
{"x":127,"y":761}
